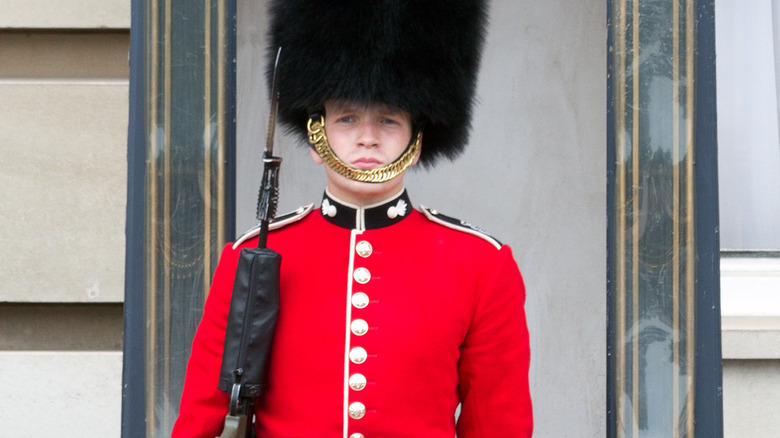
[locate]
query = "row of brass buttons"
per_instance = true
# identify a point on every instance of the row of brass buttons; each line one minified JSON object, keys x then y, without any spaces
{"x":359,"y":327}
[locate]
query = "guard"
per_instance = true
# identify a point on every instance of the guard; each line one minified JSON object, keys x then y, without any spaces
{"x":390,"y":317}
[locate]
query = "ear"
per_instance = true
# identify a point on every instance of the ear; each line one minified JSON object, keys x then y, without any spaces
{"x":315,"y":157}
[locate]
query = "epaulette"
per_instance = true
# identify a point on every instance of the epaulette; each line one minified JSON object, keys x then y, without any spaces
{"x":278,"y":222}
{"x":460,"y":225}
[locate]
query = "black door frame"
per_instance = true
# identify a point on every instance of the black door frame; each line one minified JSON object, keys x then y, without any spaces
{"x":708,"y":405}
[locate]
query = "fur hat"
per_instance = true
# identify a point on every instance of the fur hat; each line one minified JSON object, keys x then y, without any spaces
{"x":418,"y":55}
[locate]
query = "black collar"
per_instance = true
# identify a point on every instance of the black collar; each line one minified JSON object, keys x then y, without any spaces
{"x":367,"y":217}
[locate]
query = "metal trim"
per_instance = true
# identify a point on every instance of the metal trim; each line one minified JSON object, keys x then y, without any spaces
{"x":133,"y":394}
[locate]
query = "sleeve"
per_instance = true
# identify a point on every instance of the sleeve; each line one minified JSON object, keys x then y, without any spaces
{"x":495,"y":358}
{"x":203,"y":407}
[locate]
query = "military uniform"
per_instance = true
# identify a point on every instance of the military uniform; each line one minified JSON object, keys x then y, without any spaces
{"x":389,"y":318}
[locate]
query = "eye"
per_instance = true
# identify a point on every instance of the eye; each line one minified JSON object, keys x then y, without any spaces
{"x":388,"y":121}
{"x":345,"y":119}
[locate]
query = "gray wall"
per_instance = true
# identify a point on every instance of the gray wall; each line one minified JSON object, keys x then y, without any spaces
{"x":534,"y":175}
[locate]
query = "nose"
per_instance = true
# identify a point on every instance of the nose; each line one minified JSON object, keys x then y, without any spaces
{"x":368,"y":135}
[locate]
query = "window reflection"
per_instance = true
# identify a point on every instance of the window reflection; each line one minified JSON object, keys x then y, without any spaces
{"x":654,"y":258}
{"x":185,"y":188}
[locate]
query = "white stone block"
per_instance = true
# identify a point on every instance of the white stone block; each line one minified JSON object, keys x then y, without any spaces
{"x":751,"y":395}
{"x":63,"y":173}
{"x":751,"y":337}
{"x":60,"y":394}
{"x":750,"y":286}
{"x":65,"y":14}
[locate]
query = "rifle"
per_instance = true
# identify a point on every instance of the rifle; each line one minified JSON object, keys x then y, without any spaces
{"x":254,"y":305}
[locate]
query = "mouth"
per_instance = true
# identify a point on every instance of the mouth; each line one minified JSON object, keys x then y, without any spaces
{"x":366,"y":163}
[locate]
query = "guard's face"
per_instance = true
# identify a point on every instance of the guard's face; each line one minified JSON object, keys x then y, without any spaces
{"x":365,"y":136}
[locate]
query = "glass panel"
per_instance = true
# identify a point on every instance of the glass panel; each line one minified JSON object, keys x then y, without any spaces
{"x":654,"y":254}
{"x":185,"y":187}
{"x":748,"y":45}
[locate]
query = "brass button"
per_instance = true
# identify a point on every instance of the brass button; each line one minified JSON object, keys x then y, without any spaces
{"x":359,"y":327}
{"x":357,"y":435}
{"x":362,"y":275}
{"x":360,"y":300}
{"x":363,"y":249}
{"x":357,"y":410}
{"x":358,"y":355}
{"x":357,"y":382}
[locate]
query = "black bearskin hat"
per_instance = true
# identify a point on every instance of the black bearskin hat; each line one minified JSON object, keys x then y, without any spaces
{"x":418,"y":55}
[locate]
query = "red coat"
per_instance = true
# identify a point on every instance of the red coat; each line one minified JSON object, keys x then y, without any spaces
{"x":442,"y":310}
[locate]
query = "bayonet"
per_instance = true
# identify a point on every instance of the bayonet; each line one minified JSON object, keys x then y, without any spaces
{"x":269,"y":136}
{"x":268,"y":198}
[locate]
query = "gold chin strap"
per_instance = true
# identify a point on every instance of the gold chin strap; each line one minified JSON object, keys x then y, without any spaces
{"x":380,"y":174}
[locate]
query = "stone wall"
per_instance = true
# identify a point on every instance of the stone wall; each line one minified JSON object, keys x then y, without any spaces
{"x":63,"y":171}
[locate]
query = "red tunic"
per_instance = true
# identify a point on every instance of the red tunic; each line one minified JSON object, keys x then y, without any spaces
{"x":381,"y":332}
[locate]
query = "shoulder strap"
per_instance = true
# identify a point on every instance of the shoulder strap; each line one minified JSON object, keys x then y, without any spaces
{"x":460,"y":225}
{"x":278,"y":222}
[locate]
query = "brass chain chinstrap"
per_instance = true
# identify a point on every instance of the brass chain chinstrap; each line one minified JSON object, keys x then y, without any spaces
{"x":319,"y":140}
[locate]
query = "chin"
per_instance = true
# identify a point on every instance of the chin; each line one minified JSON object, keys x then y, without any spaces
{"x":368,"y":190}
{"x":363,"y":192}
